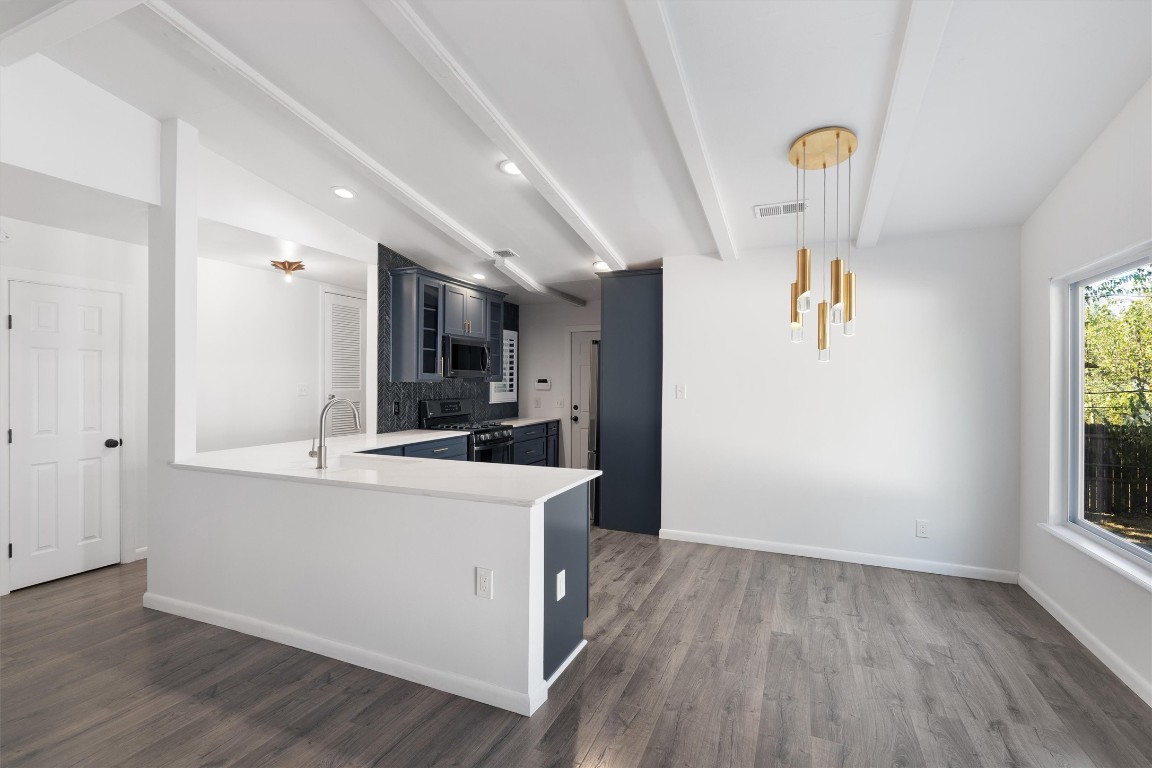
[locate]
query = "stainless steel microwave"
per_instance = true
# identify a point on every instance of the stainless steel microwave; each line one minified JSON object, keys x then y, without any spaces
{"x":466,"y":358}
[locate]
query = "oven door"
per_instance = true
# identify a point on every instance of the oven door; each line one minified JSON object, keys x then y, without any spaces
{"x":494,"y":452}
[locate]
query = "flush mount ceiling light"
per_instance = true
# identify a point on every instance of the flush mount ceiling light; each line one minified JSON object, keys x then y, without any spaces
{"x":288,"y":267}
{"x":601,"y":266}
{"x":343,"y":192}
{"x":820,"y":150}
{"x":510,"y":168}
{"x":478,"y":275}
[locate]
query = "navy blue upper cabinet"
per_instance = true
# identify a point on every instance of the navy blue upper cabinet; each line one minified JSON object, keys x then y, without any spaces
{"x":425,"y":307}
{"x":465,"y":311}
{"x":417,"y":341}
{"x":495,"y":338}
{"x":455,"y":301}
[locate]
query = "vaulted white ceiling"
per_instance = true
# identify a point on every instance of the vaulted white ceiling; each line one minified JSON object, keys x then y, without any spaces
{"x":646,"y":129}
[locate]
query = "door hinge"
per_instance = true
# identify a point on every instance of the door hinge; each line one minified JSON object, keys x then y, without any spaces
{"x":9,"y":322}
{"x":9,"y":436}
{"x":9,"y":549}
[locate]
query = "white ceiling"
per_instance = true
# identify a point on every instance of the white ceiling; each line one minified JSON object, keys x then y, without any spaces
{"x":1017,"y":92}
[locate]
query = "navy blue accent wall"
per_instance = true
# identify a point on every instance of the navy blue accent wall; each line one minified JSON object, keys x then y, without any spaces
{"x":409,"y":394}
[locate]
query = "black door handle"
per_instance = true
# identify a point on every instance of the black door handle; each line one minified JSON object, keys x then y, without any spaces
{"x":575,"y":418}
{"x":111,"y":443}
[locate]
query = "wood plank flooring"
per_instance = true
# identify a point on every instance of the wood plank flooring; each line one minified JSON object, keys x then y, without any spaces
{"x":697,"y":656}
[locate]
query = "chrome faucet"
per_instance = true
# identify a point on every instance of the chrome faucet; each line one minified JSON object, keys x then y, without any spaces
{"x":321,"y":453}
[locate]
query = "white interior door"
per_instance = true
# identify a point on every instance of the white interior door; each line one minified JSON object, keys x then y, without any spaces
{"x":344,"y":333}
{"x":64,"y":371}
{"x":579,"y":415}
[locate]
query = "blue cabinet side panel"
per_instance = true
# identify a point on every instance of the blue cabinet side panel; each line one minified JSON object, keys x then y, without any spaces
{"x":565,"y":549}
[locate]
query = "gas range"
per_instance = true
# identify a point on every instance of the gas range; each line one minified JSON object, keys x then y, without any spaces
{"x":482,"y":431}
{"x":488,"y":441}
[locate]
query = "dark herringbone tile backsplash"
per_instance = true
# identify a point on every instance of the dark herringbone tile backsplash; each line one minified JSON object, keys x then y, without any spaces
{"x":410,"y":393}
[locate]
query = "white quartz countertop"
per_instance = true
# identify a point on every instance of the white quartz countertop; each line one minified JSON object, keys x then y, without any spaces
{"x":471,"y":481}
{"x":527,"y":422}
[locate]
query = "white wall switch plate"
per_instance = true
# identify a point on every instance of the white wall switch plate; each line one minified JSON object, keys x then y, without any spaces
{"x":560,"y":587}
{"x":484,"y":583}
{"x":536,"y":403}
{"x":559,"y":402}
{"x":922,"y":529}
{"x":681,"y":391}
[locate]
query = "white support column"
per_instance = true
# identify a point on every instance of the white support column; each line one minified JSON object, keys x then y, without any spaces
{"x":172,"y":252}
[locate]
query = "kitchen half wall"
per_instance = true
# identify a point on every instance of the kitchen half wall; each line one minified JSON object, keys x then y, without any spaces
{"x":409,"y":394}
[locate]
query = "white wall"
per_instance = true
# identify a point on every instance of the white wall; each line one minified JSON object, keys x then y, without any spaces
{"x":391,"y":592}
{"x":59,"y":254}
{"x":1101,"y":207}
{"x":56,"y":123}
{"x":545,"y":353}
{"x":916,"y":417}
{"x":258,"y":338}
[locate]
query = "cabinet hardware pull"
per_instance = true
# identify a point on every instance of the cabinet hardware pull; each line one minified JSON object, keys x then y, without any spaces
{"x":439,"y":450}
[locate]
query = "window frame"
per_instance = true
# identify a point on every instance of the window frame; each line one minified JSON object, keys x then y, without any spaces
{"x":1074,"y":411}
{"x":509,"y":358}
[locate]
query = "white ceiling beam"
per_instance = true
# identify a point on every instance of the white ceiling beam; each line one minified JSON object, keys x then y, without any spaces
{"x":389,"y":181}
{"x":650,"y":20}
{"x":405,"y":23}
{"x":384,"y":177}
{"x":528,"y":283}
{"x":927,"y":20}
{"x":56,"y":24}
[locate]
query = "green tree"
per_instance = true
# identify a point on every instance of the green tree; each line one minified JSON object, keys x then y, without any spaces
{"x":1118,"y":351}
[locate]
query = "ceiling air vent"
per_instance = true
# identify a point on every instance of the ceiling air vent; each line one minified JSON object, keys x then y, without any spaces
{"x":506,"y":253}
{"x":779,"y":209}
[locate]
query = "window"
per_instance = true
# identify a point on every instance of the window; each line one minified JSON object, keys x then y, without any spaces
{"x":1111,"y":406}
{"x":505,"y":390}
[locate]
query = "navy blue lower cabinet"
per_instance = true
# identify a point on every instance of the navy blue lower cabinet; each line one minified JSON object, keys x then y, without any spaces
{"x":552,"y":450}
{"x":396,"y":450}
{"x":452,"y":448}
{"x":528,"y":451}
{"x":565,"y":549}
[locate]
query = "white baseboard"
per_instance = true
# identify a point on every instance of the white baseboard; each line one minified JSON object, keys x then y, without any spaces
{"x":469,"y":688}
{"x":141,"y":552}
{"x":540,"y":694}
{"x":1121,"y":668}
{"x":844,"y":555}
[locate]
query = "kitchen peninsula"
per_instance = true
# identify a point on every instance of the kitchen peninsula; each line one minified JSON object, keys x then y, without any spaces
{"x":375,"y":560}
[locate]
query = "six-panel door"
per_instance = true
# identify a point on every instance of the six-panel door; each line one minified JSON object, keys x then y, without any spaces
{"x":65,"y":407}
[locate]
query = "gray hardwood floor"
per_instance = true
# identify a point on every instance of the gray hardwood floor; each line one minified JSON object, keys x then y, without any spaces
{"x":698,"y":656}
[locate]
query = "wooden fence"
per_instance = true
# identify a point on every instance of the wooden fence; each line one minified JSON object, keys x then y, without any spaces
{"x":1117,"y":470}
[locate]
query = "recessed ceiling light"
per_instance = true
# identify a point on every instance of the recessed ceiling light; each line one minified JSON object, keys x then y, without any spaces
{"x":601,"y":266}
{"x":343,"y":192}
{"x":510,"y":168}
{"x":477,"y":275}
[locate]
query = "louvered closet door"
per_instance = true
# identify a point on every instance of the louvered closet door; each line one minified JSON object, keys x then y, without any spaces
{"x":344,"y":328}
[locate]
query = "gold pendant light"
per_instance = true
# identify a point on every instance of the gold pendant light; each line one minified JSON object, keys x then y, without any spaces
{"x":820,"y":150}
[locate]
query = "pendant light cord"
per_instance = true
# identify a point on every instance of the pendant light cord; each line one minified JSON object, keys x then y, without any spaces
{"x":824,"y":273}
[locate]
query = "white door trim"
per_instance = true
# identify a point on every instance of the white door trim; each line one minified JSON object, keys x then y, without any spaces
{"x":132,"y":420}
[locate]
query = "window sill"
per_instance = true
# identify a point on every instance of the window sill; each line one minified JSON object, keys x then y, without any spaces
{"x":1126,"y":566}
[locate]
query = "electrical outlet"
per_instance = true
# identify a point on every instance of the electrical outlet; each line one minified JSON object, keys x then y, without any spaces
{"x":301,"y":390}
{"x":484,"y":583}
{"x":922,"y":529}
{"x":681,"y":391}
{"x":559,"y":402}
{"x":395,"y":407}
{"x":536,"y":402}
{"x":560,"y":590}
